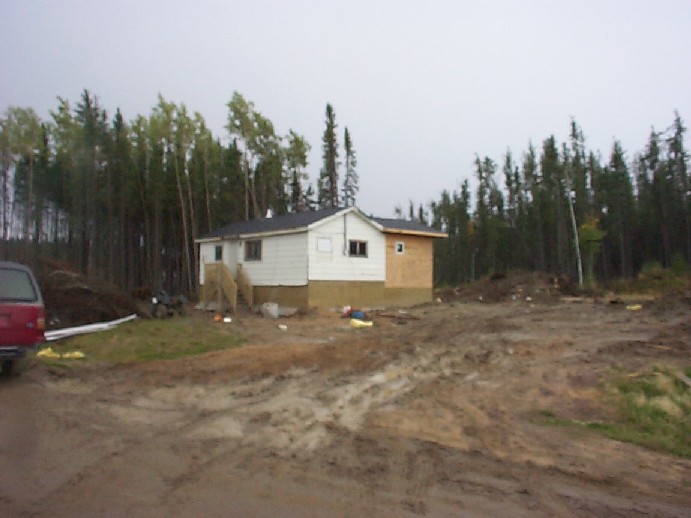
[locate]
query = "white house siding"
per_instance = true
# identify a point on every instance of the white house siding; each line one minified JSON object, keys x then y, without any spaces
{"x":283,"y":263}
{"x":207,"y":254}
{"x":337,"y":265}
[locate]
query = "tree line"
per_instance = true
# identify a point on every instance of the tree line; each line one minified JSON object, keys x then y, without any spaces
{"x":565,"y":209}
{"x":125,"y":201}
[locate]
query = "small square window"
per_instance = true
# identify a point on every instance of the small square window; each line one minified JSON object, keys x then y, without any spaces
{"x":218,"y":253}
{"x":357,"y":248}
{"x":253,"y":250}
{"x":400,"y":247}
{"x":324,"y":244}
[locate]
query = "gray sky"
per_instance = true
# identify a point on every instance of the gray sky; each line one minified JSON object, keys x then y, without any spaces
{"x":421,"y":86}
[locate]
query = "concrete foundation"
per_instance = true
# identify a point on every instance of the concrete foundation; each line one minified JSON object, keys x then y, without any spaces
{"x":328,"y":294}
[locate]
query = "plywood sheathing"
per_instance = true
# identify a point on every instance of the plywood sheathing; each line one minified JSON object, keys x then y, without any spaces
{"x":413,"y":268}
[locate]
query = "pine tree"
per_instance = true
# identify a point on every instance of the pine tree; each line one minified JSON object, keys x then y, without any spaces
{"x":296,"y":160}
{"x":328,"y":177}
{"x":350,"y":181}
{"x":309,"y":201}
{"x":680,"y":188}
{"x":534,"y":192}
{"x":90,"y":163}
{"x":616,"y":193}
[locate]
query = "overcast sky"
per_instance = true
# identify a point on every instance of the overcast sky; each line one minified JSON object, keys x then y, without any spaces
{"x":422,"y":86}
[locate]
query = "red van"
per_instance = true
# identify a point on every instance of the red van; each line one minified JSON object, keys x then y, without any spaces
{"x":22,"y":314}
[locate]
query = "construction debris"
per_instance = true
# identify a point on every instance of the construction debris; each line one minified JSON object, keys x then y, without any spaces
{"x":59,"y":334}
{"x":48,"y":352}
{"x":357,"y":323}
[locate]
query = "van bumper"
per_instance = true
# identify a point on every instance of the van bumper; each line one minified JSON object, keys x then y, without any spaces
{"x":11,"y":352}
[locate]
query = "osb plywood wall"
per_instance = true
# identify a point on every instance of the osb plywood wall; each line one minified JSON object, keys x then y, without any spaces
{"x":413,"y":267}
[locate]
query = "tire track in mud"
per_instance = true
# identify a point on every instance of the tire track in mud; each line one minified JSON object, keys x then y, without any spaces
{"x":293,"y":412}
{"x":337,"y":429}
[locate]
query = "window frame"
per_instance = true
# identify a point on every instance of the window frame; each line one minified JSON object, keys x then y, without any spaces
{"x":324,"y":245}
{"x":218,"y":253}
{"x":18,"y":287}
{"x":399,"y":247}
{"x":361,"y":248}
{"x":253,"y":250}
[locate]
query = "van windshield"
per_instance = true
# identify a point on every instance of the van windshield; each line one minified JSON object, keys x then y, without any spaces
{"x":16,"y":286}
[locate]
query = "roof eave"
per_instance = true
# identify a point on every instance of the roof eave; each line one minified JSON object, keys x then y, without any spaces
{"x":422,"y":233}
{"x":271,"y":233}
{"x":201,"y":240}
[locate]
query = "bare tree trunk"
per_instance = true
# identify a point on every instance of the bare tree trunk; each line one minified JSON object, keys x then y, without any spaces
{"x":207,"y":195}
{"x":28,"y":208}
{"x":113,"y":239}
{"x":187,"y":268}
{"x":188,"y":243}
{"x":577,"y":245}
{"x":5,"y":208}
{"x":247,"y":188}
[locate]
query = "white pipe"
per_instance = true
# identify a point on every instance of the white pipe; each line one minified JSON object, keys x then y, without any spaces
{"x":58,"y":334}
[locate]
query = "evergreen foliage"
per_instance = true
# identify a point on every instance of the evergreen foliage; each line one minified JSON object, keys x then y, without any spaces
{"x":328,"y":177}
{"x":350,"y":180}
{"x":124,"y":200}
{"x":564,"y":203}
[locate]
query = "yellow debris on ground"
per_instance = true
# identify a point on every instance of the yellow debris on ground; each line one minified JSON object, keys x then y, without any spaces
{"x":48,"y":352}
{"x":73,"y":355}
{"x":357,"y":323}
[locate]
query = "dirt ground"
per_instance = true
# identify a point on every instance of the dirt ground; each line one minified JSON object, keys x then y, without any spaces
{"x":431,"y":413}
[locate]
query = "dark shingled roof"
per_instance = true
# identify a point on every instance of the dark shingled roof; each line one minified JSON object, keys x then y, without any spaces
{"x":405,"y":225}
{"x":283,"y":222}
{"x":298,"y":220}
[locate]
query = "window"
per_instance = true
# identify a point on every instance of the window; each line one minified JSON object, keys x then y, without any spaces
{"x":253,"y":250}
{"x":16,"y":286}
{"x":324,"y":244}
{"x":218,"y":253}
{"x":357,"y":248}
{"x":400,"y":247}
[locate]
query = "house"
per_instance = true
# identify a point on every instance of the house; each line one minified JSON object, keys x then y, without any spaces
{"x":325,"y":258}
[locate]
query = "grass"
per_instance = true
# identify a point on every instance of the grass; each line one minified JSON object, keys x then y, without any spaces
{"x":146,"y":340}
{"x":654,"y":411}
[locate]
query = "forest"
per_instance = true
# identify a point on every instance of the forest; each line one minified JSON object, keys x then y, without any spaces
{"x":125,"y":200}
{"x":564,"y":209}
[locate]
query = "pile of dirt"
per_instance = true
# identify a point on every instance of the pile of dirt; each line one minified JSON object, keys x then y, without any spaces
{"x":511,"y":286}
{"x":72,"y":299}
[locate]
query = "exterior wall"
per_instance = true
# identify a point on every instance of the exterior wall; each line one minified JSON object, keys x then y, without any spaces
{"x":283,"y":262}
{"x":291,"y":296}
{"x":335,"y":265}
{"x":207,"y":254}
{"x":299,"y":270}
{"x":414,"y":267}
{"x":328,"y":294}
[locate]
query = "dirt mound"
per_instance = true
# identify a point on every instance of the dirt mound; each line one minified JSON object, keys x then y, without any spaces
{"x":527,"y":286}
{"x":72,"y":299}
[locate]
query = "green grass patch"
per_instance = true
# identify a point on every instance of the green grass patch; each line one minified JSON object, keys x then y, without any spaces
{"x":146,"y":340}
{"x":654,"y":411}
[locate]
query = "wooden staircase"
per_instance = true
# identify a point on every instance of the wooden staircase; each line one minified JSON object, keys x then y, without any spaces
{"x":221,"y":290}
{"x":245,"y":287}
{"x":219,"y":287}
